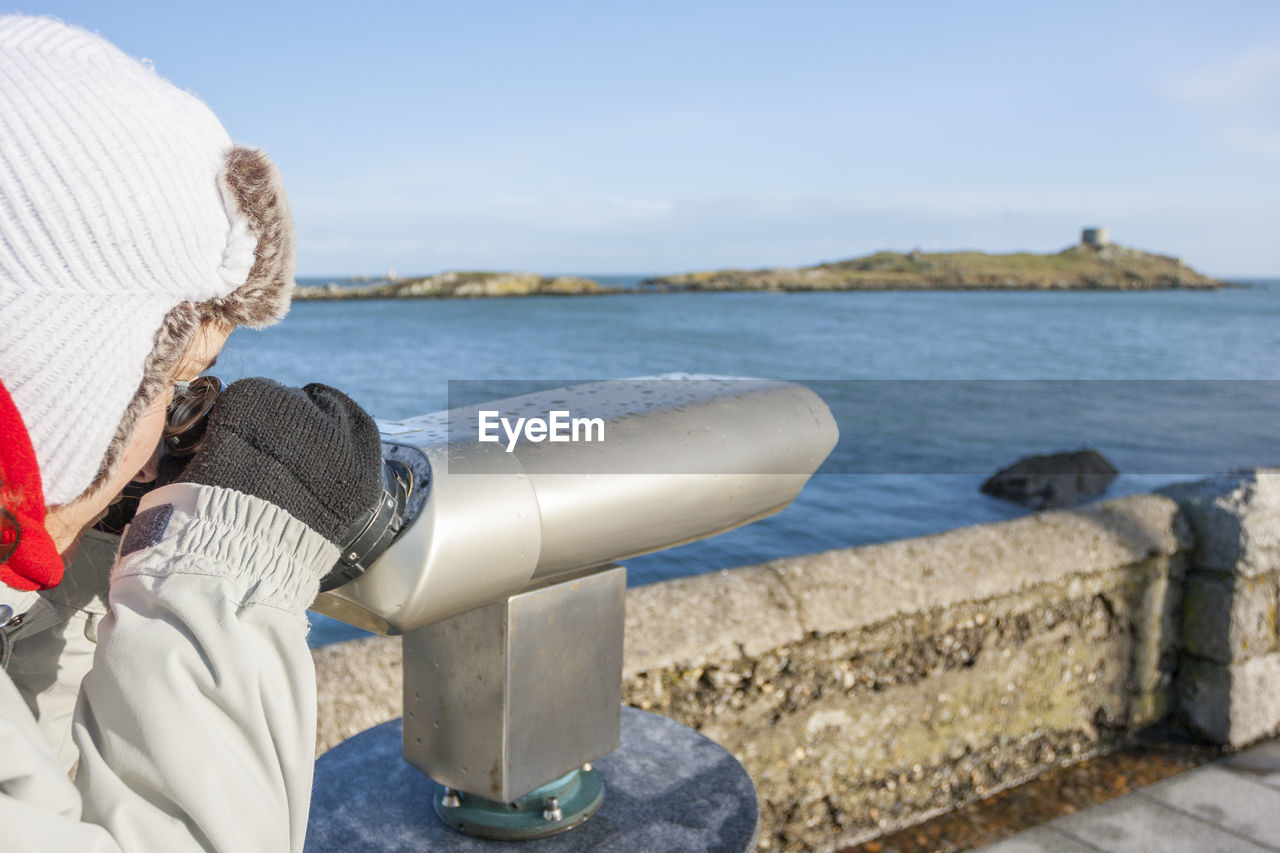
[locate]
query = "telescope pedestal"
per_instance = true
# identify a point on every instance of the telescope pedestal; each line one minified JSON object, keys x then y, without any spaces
{"x":666,"y":787}
{"x":507,"y":698}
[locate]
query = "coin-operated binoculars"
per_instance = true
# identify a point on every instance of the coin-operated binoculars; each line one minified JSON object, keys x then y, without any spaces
{"x":503,"y":581}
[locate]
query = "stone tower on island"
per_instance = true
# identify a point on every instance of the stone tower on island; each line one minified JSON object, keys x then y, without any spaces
{"x":1095,"y":237}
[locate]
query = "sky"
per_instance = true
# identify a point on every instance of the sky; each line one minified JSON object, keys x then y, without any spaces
{"x":652,"y":137}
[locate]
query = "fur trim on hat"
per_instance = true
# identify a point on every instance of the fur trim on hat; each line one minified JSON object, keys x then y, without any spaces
{"x":259,"y":192}
{"x":255,"y":184}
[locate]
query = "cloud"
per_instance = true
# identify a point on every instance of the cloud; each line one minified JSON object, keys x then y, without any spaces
{"x":1250,"y":79}
{"x":1264,"y":141}
{"x":1243,"y":94}
{"x":635,"y":208}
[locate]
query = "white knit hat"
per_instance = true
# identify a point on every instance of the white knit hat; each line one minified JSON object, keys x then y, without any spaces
{"x":121,"y":199}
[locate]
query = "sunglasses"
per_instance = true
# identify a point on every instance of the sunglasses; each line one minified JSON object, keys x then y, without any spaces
{"x":188,"y":414}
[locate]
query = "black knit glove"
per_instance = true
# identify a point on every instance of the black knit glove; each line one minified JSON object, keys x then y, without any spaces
{"x":310,"y":451}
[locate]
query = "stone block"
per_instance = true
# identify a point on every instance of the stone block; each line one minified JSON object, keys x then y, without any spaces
{"x":1236,"y":521}
{"x":1233,"y":704}
{"x":1228,"y":619}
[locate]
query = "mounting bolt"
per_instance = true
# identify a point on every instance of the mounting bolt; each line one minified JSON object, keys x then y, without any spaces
{"x":586,"y":768}
{"x":451,"y":800}
{"x":551,"y":809}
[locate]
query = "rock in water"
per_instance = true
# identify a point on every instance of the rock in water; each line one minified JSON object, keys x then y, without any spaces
{"x":1053,"y":481}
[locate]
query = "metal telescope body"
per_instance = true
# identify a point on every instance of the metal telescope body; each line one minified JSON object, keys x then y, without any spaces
{"x":504,"y":582}
{"x":682,"y":458}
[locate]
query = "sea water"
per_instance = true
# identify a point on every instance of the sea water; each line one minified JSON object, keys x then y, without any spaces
{"x":395,"y":358}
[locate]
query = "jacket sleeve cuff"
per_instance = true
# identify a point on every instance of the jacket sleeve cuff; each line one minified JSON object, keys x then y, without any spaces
{"x":268,"y":556}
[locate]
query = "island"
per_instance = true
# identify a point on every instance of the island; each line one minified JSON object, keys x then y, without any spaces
{"x":1095,"y":263}
{"x":461,"y":285}
{"x":1085,"y":266}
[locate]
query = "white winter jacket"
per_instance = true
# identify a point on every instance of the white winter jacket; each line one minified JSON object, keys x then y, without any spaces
{"x":194,"y":727}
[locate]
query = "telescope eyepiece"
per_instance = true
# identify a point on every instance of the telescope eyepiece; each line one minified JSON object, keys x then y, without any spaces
{"x":372,"y":534}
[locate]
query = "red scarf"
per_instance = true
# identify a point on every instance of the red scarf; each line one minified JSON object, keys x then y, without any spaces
{"x":35,"y":563}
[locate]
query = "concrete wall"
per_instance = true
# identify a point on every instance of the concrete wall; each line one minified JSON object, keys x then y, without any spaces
{"x":868,"y":688}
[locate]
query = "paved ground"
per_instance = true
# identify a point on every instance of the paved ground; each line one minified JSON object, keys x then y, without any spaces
{"x":1229,"y":805}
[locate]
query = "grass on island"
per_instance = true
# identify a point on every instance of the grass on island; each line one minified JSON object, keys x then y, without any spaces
{"x":1112,"y":267}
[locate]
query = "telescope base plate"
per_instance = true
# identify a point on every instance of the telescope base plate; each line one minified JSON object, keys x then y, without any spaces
{"x":555,"y":807}
{"x":666,"y":788}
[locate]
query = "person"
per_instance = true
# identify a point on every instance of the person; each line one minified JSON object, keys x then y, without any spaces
{"x":134,"y":236}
